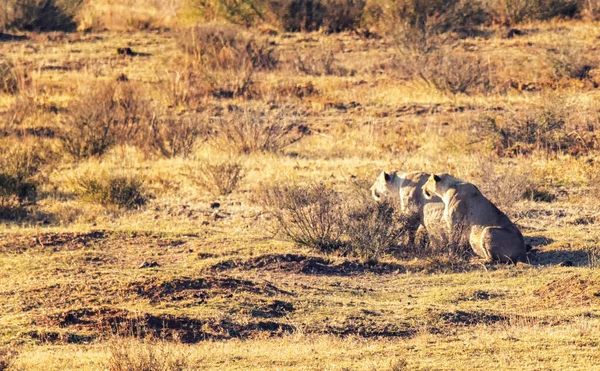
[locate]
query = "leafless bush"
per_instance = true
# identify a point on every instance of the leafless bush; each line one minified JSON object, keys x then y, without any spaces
{"x":222,"y":60}
{"x":554,"y":127}
{"x":448,"y":71}
{"x":109,"y":188}
{"x":571,"y":62}
{"x":129,"y":355}
{"x":327,"y":15}
{"x":319,"y":61}
{"x":252,"y":131}
{"x":219,"y":46}
{"x":504,"y":186}
{"x":517,"y":11}
{"x":176,"y":136}
{"x":375,"y":229}
{"x":309,"y":216}
{"x":329,"y":221}
{"x":102,"y":117}
{"x":39,"y":15}
{"x":219,"y":177}
{"x":20,"y":111}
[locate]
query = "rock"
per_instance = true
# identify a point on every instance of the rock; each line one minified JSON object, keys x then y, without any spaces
{"x":151,"y":264}
{"x":509,"y":34}
{"x":125,"y":51}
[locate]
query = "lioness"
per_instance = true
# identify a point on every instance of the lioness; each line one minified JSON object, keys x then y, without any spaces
{"x":475,"y":220}
{"x":408,"y":187}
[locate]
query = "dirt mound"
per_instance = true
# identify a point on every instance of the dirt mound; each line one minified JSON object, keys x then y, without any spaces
{"x":307,"y":265}
{"x":477,"y":295}
{"x":450,"y":322}
{"x":362,"y":326}
{"x":465,"y":318}
{"x":571,"y":290}
{"x":185,"y":329}
{"x":56,"y":241}
{"x":200,"y":289}
{"x":274,"y":309}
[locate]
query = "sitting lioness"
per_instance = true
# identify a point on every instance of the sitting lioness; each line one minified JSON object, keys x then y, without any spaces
{"x":408,"y":187}
{"x":475,"y":220}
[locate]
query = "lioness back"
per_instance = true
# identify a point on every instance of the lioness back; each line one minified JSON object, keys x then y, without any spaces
{"x":487,"y":229}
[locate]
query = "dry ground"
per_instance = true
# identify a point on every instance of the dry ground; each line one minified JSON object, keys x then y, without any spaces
{"x":227,"y":295}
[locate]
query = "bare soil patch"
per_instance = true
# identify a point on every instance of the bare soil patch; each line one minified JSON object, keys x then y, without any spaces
{"x":202,"y":288}
{"x":572,"y":290}
{"x":309,"y":265}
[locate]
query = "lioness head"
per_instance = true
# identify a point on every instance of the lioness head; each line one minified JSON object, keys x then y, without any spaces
{"x":431,"y":188}
{"x":383,"y":186}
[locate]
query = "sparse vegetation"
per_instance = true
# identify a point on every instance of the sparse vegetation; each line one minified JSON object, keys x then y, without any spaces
{"x":178,"y":136}
{"x":251,"y":131}
{"x":110,"y":188}
{"x":19,"y":175}
{"x":146,"y":356}
{"x":218,"y":177}
{"x":104,"y":116}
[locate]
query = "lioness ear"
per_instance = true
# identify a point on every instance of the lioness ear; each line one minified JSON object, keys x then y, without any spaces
{"x":436,"y":178}
{"x":387,"y":176}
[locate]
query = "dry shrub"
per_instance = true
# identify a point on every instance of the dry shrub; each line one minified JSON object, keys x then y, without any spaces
{"x":572,"y":62}
{"x":222,"y":60}
{"x":146,"y":355}
{"x":309,"y":216}
{"x":319,"y":61}
{"x":327,"y":15}
{"x":221,"y":46}
{"x":19,"y":176}
{"x":40,"y":15}
{"x":219,"y":177}
{"x":375,"y":229}
{"x":251,"y":131}
{"x":7,"y":358}
{"x":447,"y":70}
{"x":105,"y":115}
{"x":517,"y":11}
{"x":504,"y":186}
{"x":109,"y":188}
{"x":321,"y":218}
{"x":177,"y":136}
{"x":425,"y":16}
{"x":555,"y":126}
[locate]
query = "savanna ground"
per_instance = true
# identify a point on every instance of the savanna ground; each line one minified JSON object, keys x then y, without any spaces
{"x":184,"y":277}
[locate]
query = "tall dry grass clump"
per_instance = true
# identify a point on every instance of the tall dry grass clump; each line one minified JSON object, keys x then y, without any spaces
{"x":20,"y":167}
{"x":111,"y":188}
{"x":12,"y":79}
